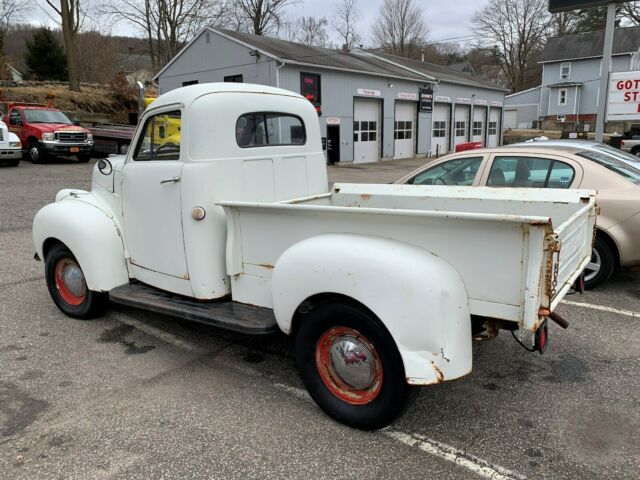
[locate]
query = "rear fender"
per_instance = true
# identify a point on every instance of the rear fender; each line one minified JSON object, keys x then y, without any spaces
{"x":418,"y":296}
{"x":91,"y":234}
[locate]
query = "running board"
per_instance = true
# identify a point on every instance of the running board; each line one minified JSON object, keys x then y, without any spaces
{"x":234,"y":316}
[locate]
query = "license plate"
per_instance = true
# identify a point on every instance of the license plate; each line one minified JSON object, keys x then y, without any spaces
{"x":74,"y":149}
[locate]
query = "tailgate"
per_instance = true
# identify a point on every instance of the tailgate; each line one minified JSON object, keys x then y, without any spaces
{"x":568,"y":252}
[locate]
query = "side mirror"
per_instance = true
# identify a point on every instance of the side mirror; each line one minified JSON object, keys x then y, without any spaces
{"x":105,"y":167}
{"x":76,"y":122}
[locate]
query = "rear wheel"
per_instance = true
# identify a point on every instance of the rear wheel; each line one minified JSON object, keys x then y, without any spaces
{"x":351,"y":366}
{"x":601,"y":266}
{"x":68,"y":287}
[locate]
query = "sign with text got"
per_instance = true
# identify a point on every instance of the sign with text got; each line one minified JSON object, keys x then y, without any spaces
{"x":624,"y":96}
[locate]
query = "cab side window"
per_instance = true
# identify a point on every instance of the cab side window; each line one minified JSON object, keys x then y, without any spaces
{"x":529,"y":172}
{"x":461,"y":172}
{"x":14,"y":117}
{"x":161,"y":138}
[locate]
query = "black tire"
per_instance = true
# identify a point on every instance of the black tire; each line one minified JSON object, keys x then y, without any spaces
{"x":92,"y":303}
{"x":392,"y":390}
{"x":635,"y":151}
{"x":13,"y":163}
{"x":84,"y":157}
{"x":36,"y":153}
{"x":605,"y":257}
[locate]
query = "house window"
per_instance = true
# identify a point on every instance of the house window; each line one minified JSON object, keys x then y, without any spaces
{"x":461,"y":129}
{"x":477,"y":129}
{"x":310,"y":88}
{"x":565,"y":70}
{"x":493,"y":128}
{"x":561,"y":118}
{"x":403,"y":130}
{"x":439,"y":129}
{"x":189,"y":82}
{"x":233,"y":79}
{"x":562,"y":97}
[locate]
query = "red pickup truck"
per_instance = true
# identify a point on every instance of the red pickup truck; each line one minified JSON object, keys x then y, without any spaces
{"x":47,"y":132}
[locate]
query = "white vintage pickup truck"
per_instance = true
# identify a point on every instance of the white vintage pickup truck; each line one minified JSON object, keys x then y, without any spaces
{"x":220,"y":213}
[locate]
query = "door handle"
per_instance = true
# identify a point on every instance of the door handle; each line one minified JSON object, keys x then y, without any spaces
{"x":170,"y":180}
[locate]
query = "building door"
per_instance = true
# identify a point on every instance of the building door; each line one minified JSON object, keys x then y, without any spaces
{"x":494,"y":127}
{"x":479,"y":124}
{"x":366,"y":130}
{"x":333,"y":144}
{"x":510,"y":119}
{"x":440,"y":129}
{"x":461,"y":124}
{"x":404,"y":132}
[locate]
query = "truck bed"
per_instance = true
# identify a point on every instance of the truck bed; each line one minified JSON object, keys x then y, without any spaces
{"x":517,"y":250}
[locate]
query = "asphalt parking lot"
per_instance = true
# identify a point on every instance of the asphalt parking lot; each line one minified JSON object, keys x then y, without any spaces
{"x":138,"y":395}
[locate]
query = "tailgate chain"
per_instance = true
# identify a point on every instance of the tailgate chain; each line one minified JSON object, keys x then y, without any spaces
{"x":554,"y":250}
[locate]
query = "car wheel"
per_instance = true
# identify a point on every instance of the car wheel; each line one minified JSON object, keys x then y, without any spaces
{"x":13,"y":163}
{"x":84,"y":158}
{"x":601,"y":266}
{"x":636,"y":151}
{"x":36,"y":153}
{"x":67,"y":285}
{"x":351,"y":366}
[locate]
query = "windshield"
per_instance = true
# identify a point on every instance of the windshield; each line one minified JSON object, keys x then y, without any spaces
{"x":45,"y":116}
{"x":623,"y":168}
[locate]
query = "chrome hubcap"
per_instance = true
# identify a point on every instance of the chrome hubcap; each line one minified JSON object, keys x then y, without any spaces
{"x":33,"y":151}
{"x":593,"y":267}
{"x":353,"y":362}
{"x":74,"y":280}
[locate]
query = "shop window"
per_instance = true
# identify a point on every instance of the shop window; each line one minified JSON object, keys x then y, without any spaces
{"x":439,"y":129}
{"x":233,"y":79}
{"x":368,"y":131}
{"x":189,"y":82}
{"x":461,"y":129}
{"x":477,"y":129}
{"x":403,"y":130}
{"x":310,"y":88}
{"x":493,"y":128}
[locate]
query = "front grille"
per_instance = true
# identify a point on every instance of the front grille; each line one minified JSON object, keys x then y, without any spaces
{"x":70,"y":136}
{"x":1,"y":135}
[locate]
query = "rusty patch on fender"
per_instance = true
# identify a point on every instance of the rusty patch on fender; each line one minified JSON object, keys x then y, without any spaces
{"x":365,"y":196}
{"x":439,"y":375}
{"x":268,"y":266}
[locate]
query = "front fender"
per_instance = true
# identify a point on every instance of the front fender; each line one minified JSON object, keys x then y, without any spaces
{"x":419,"y":297}
{"x":91,"y":234}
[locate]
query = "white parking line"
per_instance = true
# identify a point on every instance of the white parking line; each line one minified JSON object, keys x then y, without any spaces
{"x":602,"y":308}
{"x":474,"y":464}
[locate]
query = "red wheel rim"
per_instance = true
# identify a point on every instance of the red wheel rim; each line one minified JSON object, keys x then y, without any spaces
{"x":70,"y":282}
{"x":349,"y":365}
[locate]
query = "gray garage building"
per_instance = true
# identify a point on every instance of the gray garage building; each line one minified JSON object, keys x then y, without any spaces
{"x":371,"y":105}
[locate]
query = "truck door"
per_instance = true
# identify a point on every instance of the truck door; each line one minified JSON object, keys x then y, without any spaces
{"x":151,"y":203}
{"x":15,"y":124}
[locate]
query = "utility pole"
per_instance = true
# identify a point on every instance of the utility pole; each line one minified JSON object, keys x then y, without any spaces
{"x":606,"y":69}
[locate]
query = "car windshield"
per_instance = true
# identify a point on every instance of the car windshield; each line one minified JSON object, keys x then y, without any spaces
{"x":621,"y":167}
{"x":33,"y":115}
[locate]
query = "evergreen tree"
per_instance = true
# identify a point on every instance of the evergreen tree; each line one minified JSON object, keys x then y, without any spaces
{"x":45,"y":57}
{"x":594,"y":19}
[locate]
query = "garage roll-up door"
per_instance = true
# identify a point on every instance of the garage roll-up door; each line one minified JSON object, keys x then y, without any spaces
{"x":404,"y":129}
{"x":461,"y":125}
{"x":494,"y":127}
{"x":440,"y":129}
{"x":479,"y":124}
{"x":510,"y":119}
{"x":366,"y":130}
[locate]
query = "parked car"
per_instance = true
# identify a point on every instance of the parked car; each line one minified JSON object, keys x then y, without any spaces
{"x":47,"y":132}
{"x":234,"y":226}
{"x":559,"y":165}
{"x":10,"y":146}
{"x":631,"y":159}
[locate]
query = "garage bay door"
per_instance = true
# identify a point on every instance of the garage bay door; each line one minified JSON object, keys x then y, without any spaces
{"x":510,"y":119}
{"x":479,"y":124}
{"x":461,"y":125}
{"x":494,"y":127}
{"x":404,"y":130}
{"x":366,"y":130}
{"x":440,"y":129}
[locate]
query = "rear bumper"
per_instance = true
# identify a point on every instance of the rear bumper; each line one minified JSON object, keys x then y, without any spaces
{"x":10,"y":153}
{"x":64,"y":148}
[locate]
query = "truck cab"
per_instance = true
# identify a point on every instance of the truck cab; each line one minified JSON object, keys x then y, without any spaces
{"x":232,"y":224}
{"x":10,"y":146}
{"x":47,"y":132}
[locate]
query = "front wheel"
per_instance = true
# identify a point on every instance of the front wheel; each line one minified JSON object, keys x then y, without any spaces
{"x":68,"y":287}
{"x":36,"y":153}
{"x":84,"y":157}
{"x":351,"y":366}
{"x":601,"y":266}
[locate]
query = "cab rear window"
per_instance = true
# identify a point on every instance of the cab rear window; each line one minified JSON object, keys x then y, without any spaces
{"x":261,"y":129}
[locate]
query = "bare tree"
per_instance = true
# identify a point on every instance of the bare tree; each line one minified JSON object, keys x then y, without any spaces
{"x":399,"y":27}
{"x":262,"y":17}
{"x":313,"y":31}
{"x":630,"y":13}
{"x":563,"y":23}
{"x":10,"y":11}
{"x":71,"y":16}
{"x":345,"y":22}
{"x":517,"y":29}
{"x":167,"y":24}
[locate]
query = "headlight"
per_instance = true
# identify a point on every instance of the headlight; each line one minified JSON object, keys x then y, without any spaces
{"x":90,"y":136}
{"x":47,"y":136}
{"x":15,"y":144}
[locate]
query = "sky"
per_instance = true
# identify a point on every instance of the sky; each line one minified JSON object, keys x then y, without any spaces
{"x":445,"y":19}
